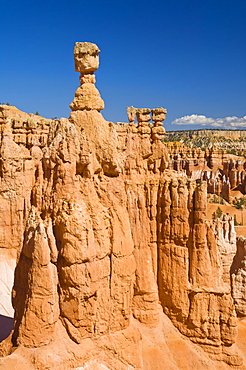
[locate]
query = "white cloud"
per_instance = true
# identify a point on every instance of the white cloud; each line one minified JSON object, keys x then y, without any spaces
{"x":200,"y":120}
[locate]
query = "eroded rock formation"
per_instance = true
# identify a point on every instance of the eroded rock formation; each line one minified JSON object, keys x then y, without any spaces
{"x":105,"y":233}
{"x":225,"y":174}
{"x":238,"y":277}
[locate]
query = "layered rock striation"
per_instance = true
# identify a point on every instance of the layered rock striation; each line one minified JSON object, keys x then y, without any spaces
{"x":106,"y":234}
{"x":225,"y":173}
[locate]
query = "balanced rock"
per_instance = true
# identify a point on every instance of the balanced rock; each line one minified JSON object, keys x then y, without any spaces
{"x":110,"y":237}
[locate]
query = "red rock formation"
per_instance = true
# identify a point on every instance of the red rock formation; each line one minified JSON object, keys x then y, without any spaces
{"x":225,"y":234}
{"x":224,"y":175}
{"x":238,"y":277}
{"x":104,"y":233}
{"x":192,"y":294}
{"x":35,"y":296}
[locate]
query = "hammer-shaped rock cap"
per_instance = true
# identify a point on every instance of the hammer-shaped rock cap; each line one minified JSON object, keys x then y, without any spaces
{"x":86,"y":48}
{"x":86,"y":57}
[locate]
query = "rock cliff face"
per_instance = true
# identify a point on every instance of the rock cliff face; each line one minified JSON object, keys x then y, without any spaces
{"x":107,"y":238}
{"x":225,"y":173}
{"x":238,"y":275}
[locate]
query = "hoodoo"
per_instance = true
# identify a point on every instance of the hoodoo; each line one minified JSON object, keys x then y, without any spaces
{"x":117,"y":264}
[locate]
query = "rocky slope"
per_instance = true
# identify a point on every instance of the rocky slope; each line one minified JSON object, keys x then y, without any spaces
{"x":228,"y":140}
{"x":109,"y":242}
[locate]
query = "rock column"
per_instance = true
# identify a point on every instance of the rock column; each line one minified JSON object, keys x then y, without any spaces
{"x":86,"y":62}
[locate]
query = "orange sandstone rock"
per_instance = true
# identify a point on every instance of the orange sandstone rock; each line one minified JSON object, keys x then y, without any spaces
{"x":105,"y":233}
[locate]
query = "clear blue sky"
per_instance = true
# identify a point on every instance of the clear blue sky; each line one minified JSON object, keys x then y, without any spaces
{"x":187,"y":56}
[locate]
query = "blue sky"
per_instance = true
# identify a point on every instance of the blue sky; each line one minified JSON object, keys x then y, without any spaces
{"x":186,"y":56}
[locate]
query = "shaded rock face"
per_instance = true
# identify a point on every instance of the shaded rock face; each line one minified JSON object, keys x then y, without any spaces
{"x":226,"y":240}
{"x":35,"y":296}
{"x":104,"y":230}
{"x":238,"y":277}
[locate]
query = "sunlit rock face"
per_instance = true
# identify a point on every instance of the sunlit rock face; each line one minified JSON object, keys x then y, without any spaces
{"x":86,"y":57}
{"x":105,"y":234}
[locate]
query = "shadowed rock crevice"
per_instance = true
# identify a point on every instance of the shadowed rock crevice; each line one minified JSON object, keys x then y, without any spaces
{"x":7,"y":325}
